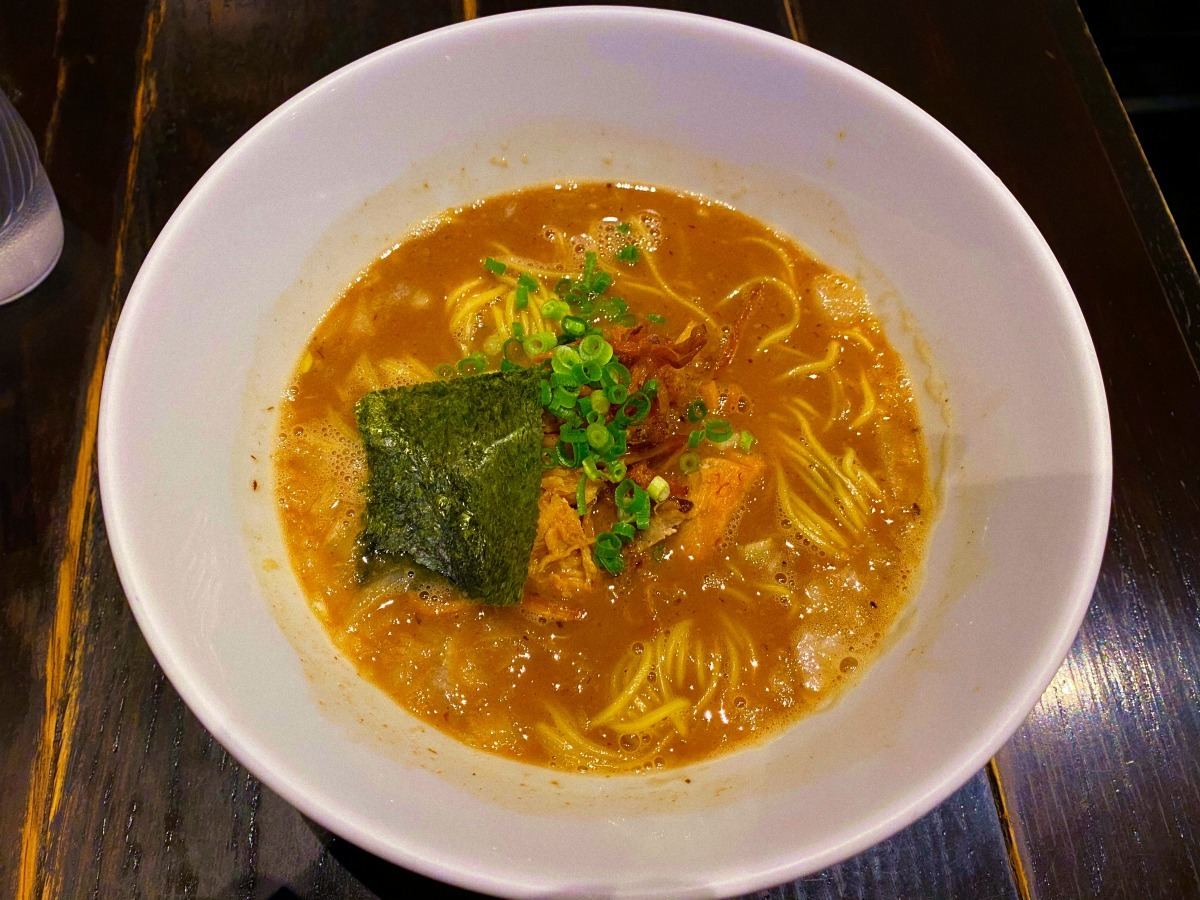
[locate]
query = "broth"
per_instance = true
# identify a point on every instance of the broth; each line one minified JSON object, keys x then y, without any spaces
{"x":784,"y":562}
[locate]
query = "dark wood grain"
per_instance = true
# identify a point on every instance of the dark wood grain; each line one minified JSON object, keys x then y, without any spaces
{"x":114,"y":789}
{"x":769,"y":15}
{"x":1104,"y":771}
{"x":1101,"y":779}
{"x":73,"y":83}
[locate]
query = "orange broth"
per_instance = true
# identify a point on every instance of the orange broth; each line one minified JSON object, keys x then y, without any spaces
{"x":789,"y":566}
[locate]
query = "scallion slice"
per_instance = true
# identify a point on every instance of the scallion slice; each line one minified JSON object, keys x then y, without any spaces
{"x":658,"y":489}
{"x":581,"y":495}
{"x":598,"y":437}
{"x":718,"y":430}
{"x":624,"y":531}
{"x":553,"y":310}
{"x":574,"y":326}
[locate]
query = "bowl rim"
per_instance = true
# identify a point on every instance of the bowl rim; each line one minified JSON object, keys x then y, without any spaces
{"x":270,"y":766}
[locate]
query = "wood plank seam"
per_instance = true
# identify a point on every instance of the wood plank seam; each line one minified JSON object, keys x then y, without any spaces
{"x":795,"y":21}
{"x":1129,"y":136}
{"x":470,"y":9}
{"x":1010,"y":837}
{"x":60,"y":83}
{"x":1137,"y":145}
{"x":63,"y":671}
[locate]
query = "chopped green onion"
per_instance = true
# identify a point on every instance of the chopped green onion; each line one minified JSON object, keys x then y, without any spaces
{"x":689,"y":462}
{"x":624,"y":493}
{"x":528,"y":282}
{"x":598,"y":436}
{"x":696,"y":410}
{"x":589,"y":266}
{"x":624,"y":531}
{"x":695,"y":438}
{"x":473,"y":364}
{"x":514,"y":351}
{"x":614,"y":308}
{"x":614,"y":470}
{"x":562,"y":287}
{"x":650,"y":387}
{"x":718,"y":430}
{"x":656,"y":319}
{"x":623,"y":228}
{"x":572,"y":435}
{"x":601,"y":283}
{"x":589,"y":469}
{"x":573,"y":325}
{"x":658,"y":489}
{"x":632,"y":503}
{"x":594,"y":348}
{"x":581,"y":495}
{"x":616,"y":373}
{"x":544,"y":392}
{"x":599,"y":402}
{"x":569,"y":456}
{"x":746,"y":441}
{"x":592,"y":372}
{"x":553,"y":310}
{"x":564,"y":359}
{"x":522,"y":299}
{"x":537,"y":344}
{"x":619,"y":442}
{"x":628,"y":254}
{"x":445,"y":370}
{"x":612,"y":564}
{"x":618,"y":393}
{"x":630,"y":498}
{"x":518,"y":330}
{"x":627,"y":321}
{"x":608,"y":544}
{"x":568,"y":380}
{"x":495,"y":266}
{"x":636,"y":408}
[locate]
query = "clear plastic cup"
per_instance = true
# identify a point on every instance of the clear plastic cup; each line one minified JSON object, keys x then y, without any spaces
{"x":31,"y":227}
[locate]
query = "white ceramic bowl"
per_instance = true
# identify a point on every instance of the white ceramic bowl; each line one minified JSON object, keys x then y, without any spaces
{"x":258,"y":251}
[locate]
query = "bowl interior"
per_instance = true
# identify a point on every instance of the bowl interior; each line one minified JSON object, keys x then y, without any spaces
{"x":1012,"y":404}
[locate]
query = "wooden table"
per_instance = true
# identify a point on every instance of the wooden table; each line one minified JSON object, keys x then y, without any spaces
{"x":113,"y":789}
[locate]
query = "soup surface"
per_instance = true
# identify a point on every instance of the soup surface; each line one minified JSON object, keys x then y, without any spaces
{"x":782,"y":452}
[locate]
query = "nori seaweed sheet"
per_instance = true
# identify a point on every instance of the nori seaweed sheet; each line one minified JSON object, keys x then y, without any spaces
{"x":454,"y":469}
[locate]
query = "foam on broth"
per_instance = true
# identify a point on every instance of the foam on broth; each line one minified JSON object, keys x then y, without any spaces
{"x":756,"y":611}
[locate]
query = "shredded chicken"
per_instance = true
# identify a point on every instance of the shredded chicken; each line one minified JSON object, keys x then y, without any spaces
{"x":667,"y":519}
{"x":642,"y":473}
{"x":561,"y":564}
{"x":718,"y":493}
{"x":637,"y":347}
